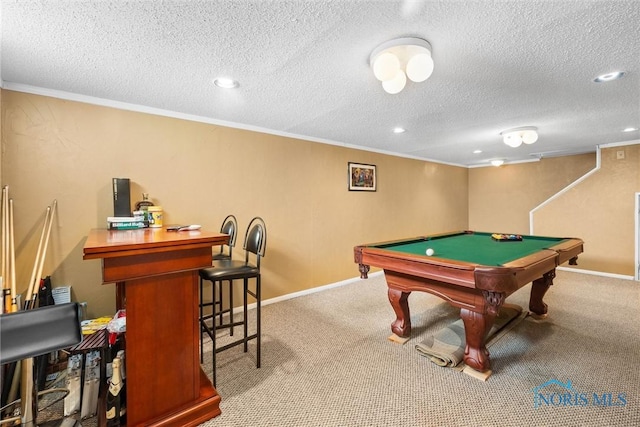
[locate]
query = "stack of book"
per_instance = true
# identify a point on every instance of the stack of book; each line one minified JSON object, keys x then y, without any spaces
{"x":127,"y":222}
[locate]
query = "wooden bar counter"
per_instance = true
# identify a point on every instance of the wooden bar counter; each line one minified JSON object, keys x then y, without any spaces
{"x":156,"y":275}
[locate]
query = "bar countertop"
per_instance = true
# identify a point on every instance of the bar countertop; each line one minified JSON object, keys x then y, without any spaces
{"x":103,"y":243}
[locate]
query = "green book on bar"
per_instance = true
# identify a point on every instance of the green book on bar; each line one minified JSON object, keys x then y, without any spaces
{"x":132,"y":225}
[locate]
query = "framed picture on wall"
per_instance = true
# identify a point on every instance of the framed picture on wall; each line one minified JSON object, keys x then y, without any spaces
{"x":362,"y":177}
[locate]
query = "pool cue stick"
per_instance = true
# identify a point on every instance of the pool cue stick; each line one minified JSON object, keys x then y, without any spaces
{"x":12,"y":261}
{"x":6,"y":236}
{"x":6,"y":290}
{"x":9,"y":369}
{"x":27,"y":390}
{"x":9,"y":385}
{"x":36,"y":282}
{"x":4,"y":230}
{"x":26,"y":380}
{"x":30,"y":298}
{"x":41,"y":361}
{"x":14,"y":382}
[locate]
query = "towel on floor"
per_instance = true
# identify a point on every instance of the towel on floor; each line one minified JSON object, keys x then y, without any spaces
{"x":446,"y":347}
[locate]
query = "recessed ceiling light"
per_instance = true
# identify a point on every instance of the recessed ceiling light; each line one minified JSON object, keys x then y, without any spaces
{"x":609,"y":77}
{"x":477,"y":151}
{"x":629,"y":129}
{"x":497,"y":163}
{"x":399,"y":130}
{"x":226,"y":83}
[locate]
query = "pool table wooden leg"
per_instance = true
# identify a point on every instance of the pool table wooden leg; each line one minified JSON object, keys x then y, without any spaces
{"x":539,"y":287}
{"x":476,"y":327}
{"x":399,"y":301}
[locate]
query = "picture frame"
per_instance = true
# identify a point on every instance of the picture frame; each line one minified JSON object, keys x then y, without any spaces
{"x":362,"y":177}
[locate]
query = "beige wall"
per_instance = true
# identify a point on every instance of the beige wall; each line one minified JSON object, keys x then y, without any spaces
{"x":600,"y":210}
{"x":501,"y":198}
{"x":199,"y":173}
{"x":69,"y":151}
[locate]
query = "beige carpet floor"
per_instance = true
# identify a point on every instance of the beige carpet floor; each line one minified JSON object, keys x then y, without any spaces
{"x":327,"y":362}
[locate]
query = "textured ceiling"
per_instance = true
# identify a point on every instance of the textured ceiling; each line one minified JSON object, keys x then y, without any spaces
{"x":303,"y":68}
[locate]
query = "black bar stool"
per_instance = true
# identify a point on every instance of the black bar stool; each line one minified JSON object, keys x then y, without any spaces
{"x":230,"y":227}
{"x":255,"y":242}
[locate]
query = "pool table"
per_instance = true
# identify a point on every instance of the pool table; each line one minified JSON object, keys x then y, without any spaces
{"x":469,"y":270}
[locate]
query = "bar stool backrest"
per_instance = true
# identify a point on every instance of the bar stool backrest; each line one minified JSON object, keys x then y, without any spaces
{"x":255,"y":240}
{"x":230,"y":227}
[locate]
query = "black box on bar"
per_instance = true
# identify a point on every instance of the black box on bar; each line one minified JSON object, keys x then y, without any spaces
{"x":121,"y":197}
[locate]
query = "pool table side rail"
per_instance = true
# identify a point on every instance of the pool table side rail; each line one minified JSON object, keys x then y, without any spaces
{"x":523,"y":270}
{"x":435,"y":268}
{"x":568,"y":249}
{"x":471,"y":275}
{"x":507,"y":278}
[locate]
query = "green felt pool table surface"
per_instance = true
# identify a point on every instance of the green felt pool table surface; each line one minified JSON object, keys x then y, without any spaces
{"x":475,"y":247}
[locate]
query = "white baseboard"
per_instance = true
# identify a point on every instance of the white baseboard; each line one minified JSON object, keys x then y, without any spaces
{"x":377,"y":273}
{"x":305,"y":292}
{"x":597,"y":273}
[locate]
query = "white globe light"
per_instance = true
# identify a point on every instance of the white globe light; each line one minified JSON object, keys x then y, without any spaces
{"x":529,"y":136}
{"x":386,"y":66}
{"x":512,"y":139}
{"x":396,"y":84}
{"x":420,"y":67}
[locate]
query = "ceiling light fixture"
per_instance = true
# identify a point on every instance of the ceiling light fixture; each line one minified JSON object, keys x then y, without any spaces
{"x":629,"y":129}
{"x":497,"y":162}
{"x":515,"y":137}
{"x":399,"y":130}
{"x":226,"y":83}
{"x":609,"y":77}
{"x":392,"y":62}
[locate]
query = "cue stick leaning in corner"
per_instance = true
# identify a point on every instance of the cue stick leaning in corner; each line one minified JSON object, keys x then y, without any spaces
{"x":34,"y":281}
{"x":27,"y":389}
{"x":12,"y":261}
{"x":6,"y":290}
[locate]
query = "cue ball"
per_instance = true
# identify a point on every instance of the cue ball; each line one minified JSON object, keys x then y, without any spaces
{"x":430,"y":252}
